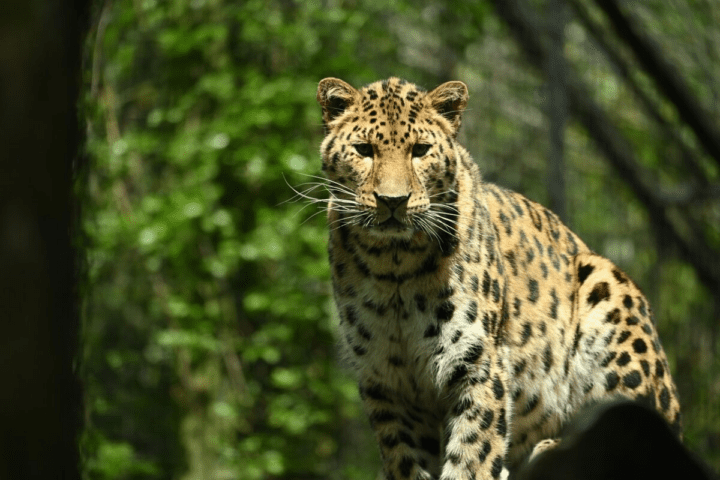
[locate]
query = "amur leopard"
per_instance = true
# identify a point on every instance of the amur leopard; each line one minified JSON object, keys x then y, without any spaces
{"x":476,"y":322}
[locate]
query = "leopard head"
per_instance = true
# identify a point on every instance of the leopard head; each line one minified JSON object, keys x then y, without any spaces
{"x":390,"y":155}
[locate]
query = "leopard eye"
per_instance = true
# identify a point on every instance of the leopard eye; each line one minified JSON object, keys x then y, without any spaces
{"x":420,"y":149}
{"x":364,"y":149}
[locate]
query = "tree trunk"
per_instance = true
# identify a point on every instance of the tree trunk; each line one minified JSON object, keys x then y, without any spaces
{"x":40,"y":412}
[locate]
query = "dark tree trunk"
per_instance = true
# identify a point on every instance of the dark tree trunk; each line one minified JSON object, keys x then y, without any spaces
{"x":40,"y":51}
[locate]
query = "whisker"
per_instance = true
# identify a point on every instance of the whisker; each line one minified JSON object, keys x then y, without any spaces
{"x":313,"y":216}
{"x":343,"y":200}
{"x":448,"y":214}
{"x":335,"y":183}
{"x":352,"y":219}
{"x":442,"y":193}
{"x":370,"y":219}
{"x":341,"y":221}
{"x":335,"y":189}
{"x":349,"y":213}
{"x":444,"y":217}
{"x":441,"y":223}
{"x":425,"y":227}
{"x":303,"y":208}
{"x":444,"y":205}
{"x":438,"y":218}
{"x":300,"y":196}
{"x":304,"y":196}
{"x":440,"y":228}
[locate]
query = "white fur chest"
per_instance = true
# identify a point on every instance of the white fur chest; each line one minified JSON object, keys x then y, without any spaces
{"x":384,"y":330}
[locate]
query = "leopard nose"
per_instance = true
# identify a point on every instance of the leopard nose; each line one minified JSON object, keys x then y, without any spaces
{"x":392,"y":203}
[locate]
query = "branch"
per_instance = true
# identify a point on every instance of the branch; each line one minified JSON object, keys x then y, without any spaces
{"x":666,"y":78}
{"x":556,"y":106}
{"x":681,"y":195}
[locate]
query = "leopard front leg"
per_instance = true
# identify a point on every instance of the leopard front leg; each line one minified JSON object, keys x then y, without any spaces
{"x":477,"y":425}
{"x":408,"y":434}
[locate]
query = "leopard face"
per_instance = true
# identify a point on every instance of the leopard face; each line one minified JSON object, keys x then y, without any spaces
{"x":390,"y":156}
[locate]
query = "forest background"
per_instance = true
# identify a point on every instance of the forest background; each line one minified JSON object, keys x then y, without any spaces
{"x":208,"y":332}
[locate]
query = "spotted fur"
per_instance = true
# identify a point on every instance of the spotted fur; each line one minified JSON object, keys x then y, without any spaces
{"x":477,"y":323}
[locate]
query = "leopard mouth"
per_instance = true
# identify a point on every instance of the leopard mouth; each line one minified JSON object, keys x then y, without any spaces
{"x":393,"y":224}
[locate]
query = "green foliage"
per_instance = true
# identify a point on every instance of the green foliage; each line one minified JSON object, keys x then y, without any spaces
{"x":208,"y":343}
{"x":208,"y":336}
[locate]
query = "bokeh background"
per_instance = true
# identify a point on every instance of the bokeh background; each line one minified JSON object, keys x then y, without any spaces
{"x":208,"y":334}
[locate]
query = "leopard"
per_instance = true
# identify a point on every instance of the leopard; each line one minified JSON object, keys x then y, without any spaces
{"x":475,"y":321}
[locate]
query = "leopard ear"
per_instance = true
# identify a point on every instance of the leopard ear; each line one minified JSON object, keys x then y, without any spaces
{"x":334,"y":96}
{"x":450,"y":99}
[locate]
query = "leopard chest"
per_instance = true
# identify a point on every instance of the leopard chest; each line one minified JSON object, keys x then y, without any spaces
{"x":389,"y":332}
{"x":405,"y":323}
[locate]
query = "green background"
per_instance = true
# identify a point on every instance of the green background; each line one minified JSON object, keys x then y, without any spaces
{"x":208,"y":348}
